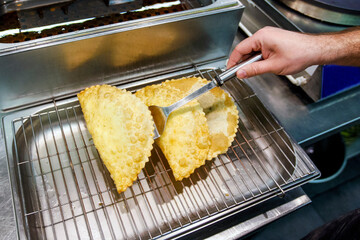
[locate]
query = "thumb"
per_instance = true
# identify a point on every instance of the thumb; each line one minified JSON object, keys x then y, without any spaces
{"x":256,"y":68}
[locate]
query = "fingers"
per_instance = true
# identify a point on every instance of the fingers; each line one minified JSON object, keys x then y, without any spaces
{"x":284,"y":52}
{"x":244,"y":48}
{"x":256,"y":68}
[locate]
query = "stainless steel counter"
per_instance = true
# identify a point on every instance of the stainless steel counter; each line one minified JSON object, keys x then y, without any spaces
{"x":303,"y":119}
{"x":7,"y":219}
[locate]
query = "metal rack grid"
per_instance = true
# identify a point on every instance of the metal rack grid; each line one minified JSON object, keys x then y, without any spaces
{"x":66,"y":192}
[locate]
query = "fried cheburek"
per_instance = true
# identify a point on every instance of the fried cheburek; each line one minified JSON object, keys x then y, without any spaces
{"x":122,"y":129}
{"x":185,"y":141}
{"x":220,"y":111}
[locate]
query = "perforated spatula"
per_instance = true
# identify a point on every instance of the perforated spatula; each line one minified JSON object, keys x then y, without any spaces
{"x":161,"y":114}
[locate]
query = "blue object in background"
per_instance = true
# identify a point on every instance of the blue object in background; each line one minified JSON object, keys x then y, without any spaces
{"x":338,"y":78}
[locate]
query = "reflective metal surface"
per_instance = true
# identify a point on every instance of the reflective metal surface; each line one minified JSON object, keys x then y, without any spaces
{"x":274,"y":13}
{"x":305,"y":120}
{"x":40,"y":69}
{"x":29,"y":95}
{"x":18,"y":5}
{"x":7,"y":219}
{"x":341,"y":12}
{"x":78,"y":10}
{"x":253,"y":217}
{"x":231,"y":72}
{"x":296,"y":199}
{"x":115,"y":2}
{"x":64,"y":191}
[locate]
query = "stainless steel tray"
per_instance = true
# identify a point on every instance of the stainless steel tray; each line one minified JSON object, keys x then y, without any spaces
{"x":63,"y":64}
{"x":62,"y":189}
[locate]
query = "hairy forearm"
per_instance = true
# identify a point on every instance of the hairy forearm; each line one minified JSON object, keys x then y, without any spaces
{"x":341,"y":48}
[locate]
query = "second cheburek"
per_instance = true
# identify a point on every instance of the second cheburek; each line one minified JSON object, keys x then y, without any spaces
{"x":122,"y":129}
{"x":185,"y":141}
{"x":221,"y":113}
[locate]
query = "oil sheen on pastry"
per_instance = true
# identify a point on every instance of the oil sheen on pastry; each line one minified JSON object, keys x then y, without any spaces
{"x":220,"y":111}
{"x":185,"y":141}
{"x":122,"y":129}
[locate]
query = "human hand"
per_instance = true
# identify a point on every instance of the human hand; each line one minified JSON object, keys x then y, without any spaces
{"x":284,"y":52}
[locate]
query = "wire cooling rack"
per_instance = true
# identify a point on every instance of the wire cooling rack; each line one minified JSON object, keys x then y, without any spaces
{"x":63,"y":190}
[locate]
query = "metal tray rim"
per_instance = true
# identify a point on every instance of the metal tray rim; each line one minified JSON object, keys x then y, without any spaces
{"x":217,"y":7}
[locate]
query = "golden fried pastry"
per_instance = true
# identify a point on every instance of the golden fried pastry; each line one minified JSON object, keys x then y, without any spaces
{"x":185,"y":140}
{"x":122,"y":129}
{"x":220,"y":110}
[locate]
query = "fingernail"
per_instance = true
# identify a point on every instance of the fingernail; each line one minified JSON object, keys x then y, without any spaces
{"x":241,"y":74}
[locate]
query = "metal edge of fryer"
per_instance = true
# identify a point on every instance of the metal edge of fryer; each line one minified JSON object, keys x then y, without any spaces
{"x":216,"y":7}
{"x":64,"y":64}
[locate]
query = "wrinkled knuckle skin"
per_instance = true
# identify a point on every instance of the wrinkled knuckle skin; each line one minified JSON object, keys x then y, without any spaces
{"x":255,"y":70}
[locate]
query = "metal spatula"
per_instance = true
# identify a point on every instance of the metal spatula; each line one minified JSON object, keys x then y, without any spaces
{"x":161,"y":114}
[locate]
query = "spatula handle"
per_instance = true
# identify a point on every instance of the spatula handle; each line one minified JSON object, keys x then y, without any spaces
{"x":219,"y":80}
{"x":230,"y":73}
